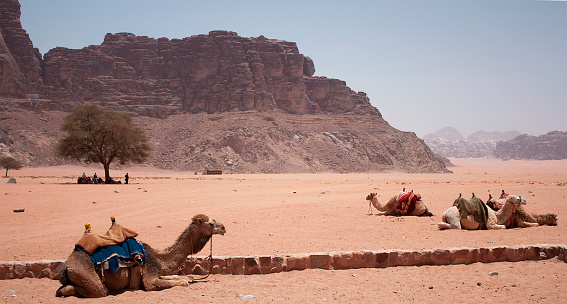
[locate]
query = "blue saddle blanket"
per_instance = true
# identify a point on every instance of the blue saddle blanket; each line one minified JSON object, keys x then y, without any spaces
{"x":126,"y":254}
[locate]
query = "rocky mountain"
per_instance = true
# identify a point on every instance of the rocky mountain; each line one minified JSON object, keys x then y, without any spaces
{"x":447,"y":133}
{"x":552,"y":145}
{"x":217,"y":100}
{"x":448,"y":142}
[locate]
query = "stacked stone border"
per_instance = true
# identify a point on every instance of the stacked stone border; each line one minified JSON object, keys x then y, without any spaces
{"x":264,"y":264}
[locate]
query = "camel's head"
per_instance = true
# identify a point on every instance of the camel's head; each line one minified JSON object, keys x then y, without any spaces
{"x":515,"y":200}
{"x":210,"y":226}
{"x":551,"y":219}
{"x":371,"y":196}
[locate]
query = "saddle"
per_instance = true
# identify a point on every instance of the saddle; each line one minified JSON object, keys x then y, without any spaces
{"x":473,"y":206}
{"x":405,"y":202}
{"x":117,"y":248}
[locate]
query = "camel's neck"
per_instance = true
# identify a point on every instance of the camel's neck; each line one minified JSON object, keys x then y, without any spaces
{"x":504,"y":214}
{"x":377,"y":204}
{"x":189,"y":242}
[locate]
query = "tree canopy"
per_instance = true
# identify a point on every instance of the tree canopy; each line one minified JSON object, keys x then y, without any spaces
{"x":99,"y":135}
{"x":9,"y":163}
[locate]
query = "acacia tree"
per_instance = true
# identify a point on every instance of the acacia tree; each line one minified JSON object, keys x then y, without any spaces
{"x":98,"y":135}
{"x":9,"y":163}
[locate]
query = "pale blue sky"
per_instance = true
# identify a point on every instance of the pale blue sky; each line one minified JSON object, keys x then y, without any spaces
{"x":489,"y":65}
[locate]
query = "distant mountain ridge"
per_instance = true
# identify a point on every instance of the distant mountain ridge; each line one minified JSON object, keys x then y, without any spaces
{"x":448,"y":142}
{"x":550,"y":146}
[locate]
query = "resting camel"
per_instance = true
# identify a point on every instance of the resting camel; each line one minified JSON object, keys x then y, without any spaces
{"x":398,"y":205}
{"x":81,"y":278}
{"x":522,"y":214}
{"x":473,"y":214}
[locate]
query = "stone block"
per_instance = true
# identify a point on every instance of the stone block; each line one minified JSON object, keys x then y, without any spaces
{"x":19,"y":269}
{"x":265,"y":260}
{"x":461,"y":256}
{"x":382,"y":259}
{"x":368,"y":259}
{"x":320,"y":260}
{"x":297,"y":262}
{"x":423,"y":257}
{"x":441,"y":256}
{"x":498,"y":254}
{"x":236,"y":265}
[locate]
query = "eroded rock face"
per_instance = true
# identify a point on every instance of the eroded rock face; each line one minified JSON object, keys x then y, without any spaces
{"x":211,"y":73}
{"x":20,"y":62}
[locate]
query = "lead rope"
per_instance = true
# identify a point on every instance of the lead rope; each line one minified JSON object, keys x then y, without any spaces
{"x":210,"y":261}
{"x":210,"y":257}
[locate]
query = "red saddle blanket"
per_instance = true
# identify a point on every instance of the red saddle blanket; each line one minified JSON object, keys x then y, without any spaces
{"x":406,"y":202}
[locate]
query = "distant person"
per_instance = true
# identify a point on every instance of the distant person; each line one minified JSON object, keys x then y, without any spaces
{"x":95,"y":178}
{"x":84,"y":175}
{"x":126,"y":178}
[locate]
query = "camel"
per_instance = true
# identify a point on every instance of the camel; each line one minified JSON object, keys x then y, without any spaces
{"x":473,"y":214}
{"x":522,"y":214}
{"x":393,"y":206}
{"x":81,"y":278}
{"x":541,"y":219}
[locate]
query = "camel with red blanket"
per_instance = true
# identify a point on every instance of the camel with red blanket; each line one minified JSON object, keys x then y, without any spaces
{"x":405,"y":203}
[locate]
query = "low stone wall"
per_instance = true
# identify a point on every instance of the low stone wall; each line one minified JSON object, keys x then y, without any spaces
{"x":264,"y":264}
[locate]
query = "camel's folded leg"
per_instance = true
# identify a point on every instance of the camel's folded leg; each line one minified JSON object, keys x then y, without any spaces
{"x":496,"y":226}
{"x":173,"y":277}
{"x":522,"y":224}
{"x":82,"y":278}
{"x":70,"y":290}
{"x":160,"y":284}
{"x":451,"y":219}
{"x":443,"y":225}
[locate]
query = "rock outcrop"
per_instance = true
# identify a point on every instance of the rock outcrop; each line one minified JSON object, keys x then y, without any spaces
{"x":212,"y":73}
{"x":20,"y":62}
{"x":552,"y":145}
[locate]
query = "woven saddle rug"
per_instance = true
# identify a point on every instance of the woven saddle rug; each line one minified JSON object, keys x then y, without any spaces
{"x":473,"y":206}
{"x":117,"y":248}
{"x":405,"y":202}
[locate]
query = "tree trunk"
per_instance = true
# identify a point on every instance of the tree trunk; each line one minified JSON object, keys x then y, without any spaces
{"x":6,"y":172}
{"x":106,"y":173}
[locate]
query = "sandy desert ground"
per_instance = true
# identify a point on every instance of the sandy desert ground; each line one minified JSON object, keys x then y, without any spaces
{"x":287,"y":214}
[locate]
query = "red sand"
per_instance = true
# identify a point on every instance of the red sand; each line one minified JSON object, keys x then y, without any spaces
{"x":292,"y":213}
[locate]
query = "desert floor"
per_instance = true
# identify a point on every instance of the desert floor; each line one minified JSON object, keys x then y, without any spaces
{"x":292,"y":213}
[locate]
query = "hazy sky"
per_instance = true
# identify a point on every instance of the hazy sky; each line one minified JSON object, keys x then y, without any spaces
{"x":487,"y":65}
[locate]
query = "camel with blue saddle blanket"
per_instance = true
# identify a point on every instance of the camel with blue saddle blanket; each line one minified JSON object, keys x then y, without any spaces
{"x":117,"y":261}
{"x":473,"y":214}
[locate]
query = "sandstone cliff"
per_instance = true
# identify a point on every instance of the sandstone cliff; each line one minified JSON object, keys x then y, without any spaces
{"x":244,"y":105}
{"x":211,"y":73}
{"x":20,"y":62}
